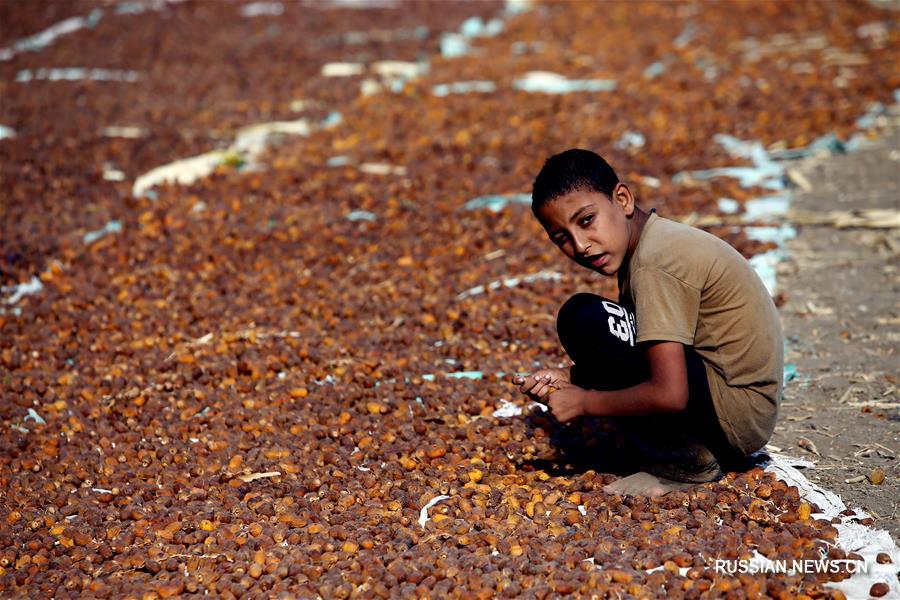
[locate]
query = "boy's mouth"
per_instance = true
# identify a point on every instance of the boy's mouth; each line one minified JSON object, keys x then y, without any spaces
{"x":597,"y":260}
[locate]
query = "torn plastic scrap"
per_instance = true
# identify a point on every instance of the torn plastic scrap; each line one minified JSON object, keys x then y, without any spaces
{"x":342,"y":69}
{"x":497,"y":202}
{"x":508,"y":410}
{"x":466,"y":375}
{"x":767,"y":206}
{"x":517,"y":7}
{"x":111,"y":227}
{"x":777,"y":235}
{"x":361,"y":215}
{"x":382,"y":169}
{"x":46,"y":37}
{"x":399,"y":69}
{"x":333,"y":119}
{"x":423,"y":514}
{"x":729,"y":206}
{"x":76,"y":74}
{"x":456,"y":375}
{"x":338,"y":161}
{"x":686,"y":36}
{"x":34,"y":416}
{"x":477,"y":27}
{"x":765,"y":171}
{"x":255,"y":476}
{"x":790,"y":372}
{"x":113,"y":174}
{"x":765,"y":266}
{"x":554,"y":83}
{"x":395,"y":73}
{"x":655,"y":70}
{"x":870,"y":119}
{"x":381,"y":35}
{"x":454,"y":45}
{"x":183,"y":171}
{"x":262,"y":9}
{"x":630,"y":139}
{"x":249,"y":142}
{"x":463,"y":87}
{"x":252,"y":138}
{"x":123,"y":131}
{"x":30,"y":287}
{"x":682,"y":571}
{"x":827,"y":144}
{"x":130,"y":8}
{"x":510,"y":282}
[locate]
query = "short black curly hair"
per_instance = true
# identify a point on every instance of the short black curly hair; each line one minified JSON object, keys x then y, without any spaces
{"x":573,"y":170}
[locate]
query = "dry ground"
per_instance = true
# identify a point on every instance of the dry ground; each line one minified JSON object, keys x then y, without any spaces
{"x":842,"y":321}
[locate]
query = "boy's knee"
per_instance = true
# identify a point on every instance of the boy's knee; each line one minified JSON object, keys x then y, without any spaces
{"x":570,"y":320}
{"x":582,"y":314}
{"x":577,"y":309}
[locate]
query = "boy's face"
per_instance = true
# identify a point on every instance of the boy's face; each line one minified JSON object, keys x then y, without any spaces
{"x":590,"y":228}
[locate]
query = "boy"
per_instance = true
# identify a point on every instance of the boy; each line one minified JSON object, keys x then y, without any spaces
{"x":691,"y":355}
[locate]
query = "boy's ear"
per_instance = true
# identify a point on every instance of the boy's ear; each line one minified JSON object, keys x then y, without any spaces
{"x":624,"y":198}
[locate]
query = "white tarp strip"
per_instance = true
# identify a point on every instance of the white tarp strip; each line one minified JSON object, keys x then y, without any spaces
{"x":852,"y":537}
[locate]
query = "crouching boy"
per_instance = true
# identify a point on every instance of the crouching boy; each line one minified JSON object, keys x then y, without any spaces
{"x":691,"y":355}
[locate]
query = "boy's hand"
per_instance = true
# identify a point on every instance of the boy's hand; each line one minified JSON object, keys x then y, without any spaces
{"x":567,"y":402}
{"x":541,"y":383}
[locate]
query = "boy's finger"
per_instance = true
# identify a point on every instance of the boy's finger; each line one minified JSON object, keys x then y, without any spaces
{"x":530,"y":384}
{"x":548,"y":385}
{"x":545,"y":390}
{"x":539,"y":384}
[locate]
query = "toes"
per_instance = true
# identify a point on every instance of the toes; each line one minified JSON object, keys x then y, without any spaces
{"x":618,"y":487}
{"x":638,"y":484}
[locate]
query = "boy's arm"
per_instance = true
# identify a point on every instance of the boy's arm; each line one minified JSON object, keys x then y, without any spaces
{"x":665,"y":391}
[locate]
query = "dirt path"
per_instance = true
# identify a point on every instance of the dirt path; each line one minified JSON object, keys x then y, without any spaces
{"x":842,"y":323}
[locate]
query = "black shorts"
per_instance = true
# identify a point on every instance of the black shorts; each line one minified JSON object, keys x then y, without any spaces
{"x":599,"y":336}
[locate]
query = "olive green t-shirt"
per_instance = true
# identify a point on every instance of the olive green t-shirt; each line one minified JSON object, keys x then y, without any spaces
{"x":689,"y":286}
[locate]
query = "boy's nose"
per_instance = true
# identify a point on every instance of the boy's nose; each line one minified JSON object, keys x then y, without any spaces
{"x":581,"y":246}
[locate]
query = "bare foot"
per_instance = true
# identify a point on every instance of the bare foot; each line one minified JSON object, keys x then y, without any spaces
{"x":645,"y":484}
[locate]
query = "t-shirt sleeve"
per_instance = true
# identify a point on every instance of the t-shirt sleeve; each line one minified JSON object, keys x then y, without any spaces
{"x":666,"y":308}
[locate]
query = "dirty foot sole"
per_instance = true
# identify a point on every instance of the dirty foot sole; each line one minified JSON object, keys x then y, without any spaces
{"x":645,"y":484}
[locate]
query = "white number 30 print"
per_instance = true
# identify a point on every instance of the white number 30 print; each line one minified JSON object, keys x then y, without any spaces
{"x":621,"y":327}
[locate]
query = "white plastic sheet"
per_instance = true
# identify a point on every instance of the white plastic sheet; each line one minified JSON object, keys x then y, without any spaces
{"x":852,"y":536}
